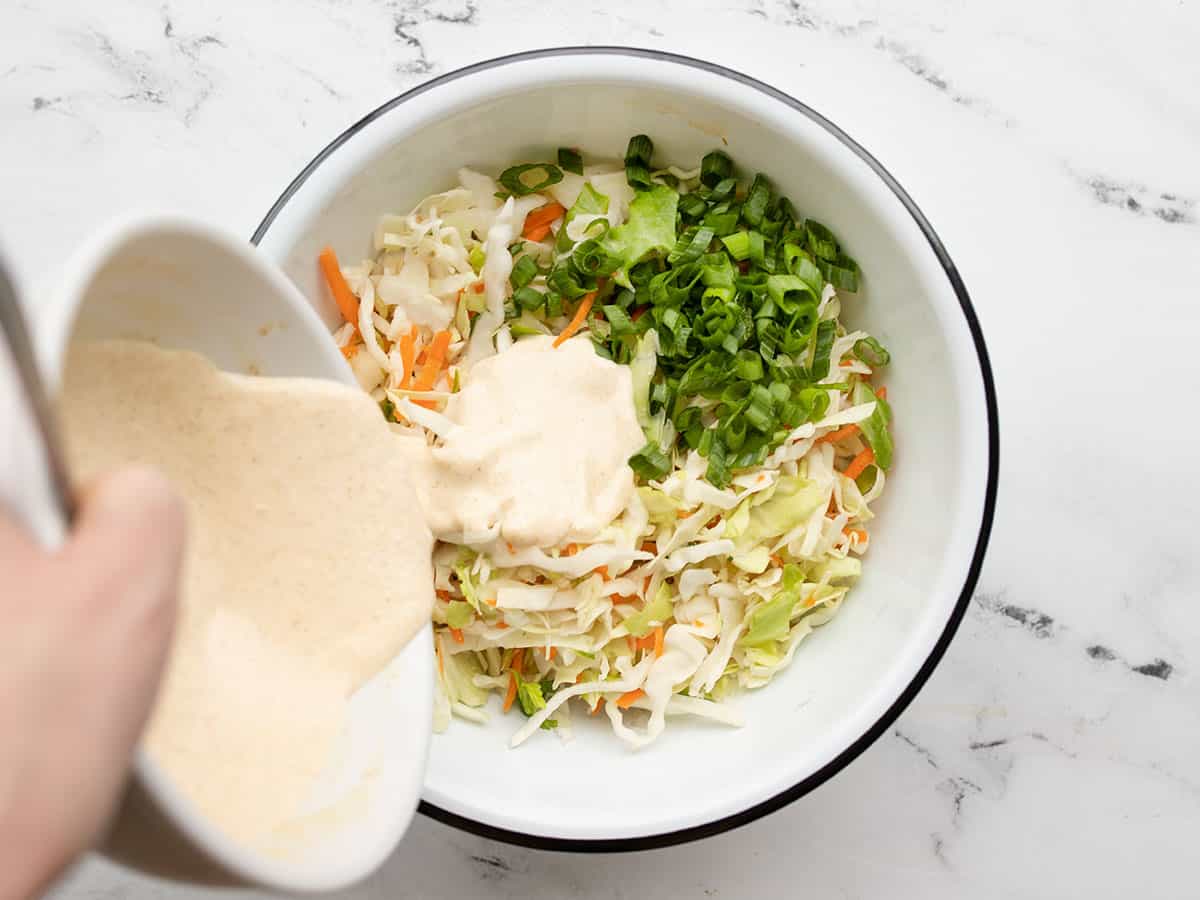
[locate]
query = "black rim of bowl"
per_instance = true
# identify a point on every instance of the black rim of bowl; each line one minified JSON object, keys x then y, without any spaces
{"x":783,"y":798}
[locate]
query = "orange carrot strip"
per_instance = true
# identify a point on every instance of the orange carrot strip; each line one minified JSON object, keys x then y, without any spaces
{"x":859,"y":464}
{"x":626,"y":598}
{"x":844,"y":432}
{"x":602,"y":571}
{"x":858,"y":534}
{"x":501,"y":625}
{"x":581,"y":314}
{"x":549,"y":654}
{"x":541,"y":218}
{"x":511,"y":694}
{"x":649,"y":547}
{"x":518,"y":659}
{"x":658,"y":642}
{"x":570,"y":550}
{"x":627,"y":700}
{"x":478,"y":287}
{"x":776,"y":559}
{"x":595,"y":709}
{"x":882,"y":392}
{"x":350,"y":350}
{"x":347,"y":303}
{"x":442,"y":595}
{"x":457,"y":634}
{"x":408,"y":356}
{"x":433,"y":362}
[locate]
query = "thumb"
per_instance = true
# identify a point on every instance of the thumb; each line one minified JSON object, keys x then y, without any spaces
{"x":128,"y":546}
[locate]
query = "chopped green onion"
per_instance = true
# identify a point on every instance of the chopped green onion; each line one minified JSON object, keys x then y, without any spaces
{"x":530,"y":178}
{"x":618,"y":319}
{"x":842,"y":274}
{"x":826,"y":332}
{"x":524,"y":271}
{"x":738,"y":245}
{"x":554,"y":304}
{"x":528,"y":298}
{"x":637,"y":162}
{"x":723,"y":190}
{"x":591,"y":260}
{"x":715,"y":168}
{"x":821,"y":240}
{"x":748,"y":365}
{"x":388,"y":409}
{"x":650,"y":462}
{"x":717,"y":473}
{"x":755,"y":205}
{"x":570,"y":161}
{"x":691,"y":246}
{"x":692,"y":206}
{"x":873,"y":353}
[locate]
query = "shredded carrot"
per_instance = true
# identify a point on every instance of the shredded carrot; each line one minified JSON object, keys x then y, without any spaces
{"x":511,"y":548}
{"x":627,"y":700}
{"x":644,"y":643}
{"x":518,"y":659}
{"x":501,"y":624}
{"x":442,"y":595}
{"x":649,"y":547}
{"x":844,"y":432}
{"x":682,"y":513}
{"x":658,"y":642}
{"x":550,"y":654}
{"x":579,"y":678}
{"x":776,"y":559}
{"x":602,"y":571}
{"x":638,"y":313}
{"x":595,"y":709}
{"x":626,"y":598}
{"x":859,"y":464}
{"x":490,"y":601}
{"x":846,"y":362}
{"x":478,"y":287}
{"x":538,"y":222}
{"x":434,"y":359}
{"x":881,"y":393}
{"x":581,"y":314}
{"x":457,"y":634}
{"x":809,"y":601}
{"x":350,"y":350}
{"x":511,"y":694}
{"x":347,"y":303}
{"x":570,"y":550}
{"x":437,"y":646}
{"x":857,"y":534}
{"x":646,"y":583}
{"x":408,"y":356}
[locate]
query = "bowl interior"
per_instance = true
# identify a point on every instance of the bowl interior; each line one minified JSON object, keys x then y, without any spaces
{"x":184,"y":287}
{"x":844,"y":677}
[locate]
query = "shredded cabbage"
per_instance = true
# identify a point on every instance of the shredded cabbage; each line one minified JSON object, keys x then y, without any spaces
{"x":696,"y":590}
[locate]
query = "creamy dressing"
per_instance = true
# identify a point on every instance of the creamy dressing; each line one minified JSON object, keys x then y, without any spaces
{"x":311,"y":535}
{"x":540,"y":449}
{"x":306,"y":571}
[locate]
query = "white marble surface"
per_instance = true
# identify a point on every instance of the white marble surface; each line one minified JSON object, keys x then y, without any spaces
{"x":1054,"y":146}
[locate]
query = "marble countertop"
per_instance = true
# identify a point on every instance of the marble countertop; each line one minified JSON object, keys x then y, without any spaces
{"x":1053,"y":145}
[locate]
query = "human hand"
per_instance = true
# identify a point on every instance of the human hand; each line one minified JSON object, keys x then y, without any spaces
{"x":84,"y":635}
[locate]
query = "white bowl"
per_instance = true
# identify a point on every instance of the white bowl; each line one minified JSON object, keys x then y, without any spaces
{"x":185,"y":286}
{"x":851,"y":678}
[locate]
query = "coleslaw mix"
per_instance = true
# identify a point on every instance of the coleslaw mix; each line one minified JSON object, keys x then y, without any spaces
{"x":766,"y":441}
